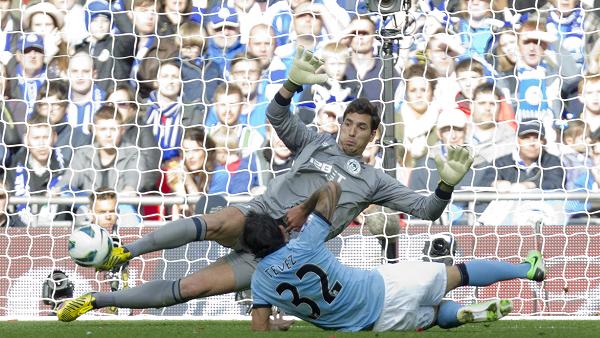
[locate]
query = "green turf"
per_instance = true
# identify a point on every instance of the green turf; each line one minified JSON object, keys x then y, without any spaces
{"x":233,"y":329}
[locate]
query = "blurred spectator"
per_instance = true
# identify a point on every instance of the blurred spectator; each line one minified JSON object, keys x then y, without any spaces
{"x":103,"y":204}
{"x":6,"y":219}
{"x":327,"y":118}
{"x":52,"y":105}
{"x":37,"y":170}
{"x":282,"y":14}
{"x":307,"y":33}
{"x":190,"y":174}
{"x":575,"y":137}
{"x":337,"y":88}
{"x":365,"y":67}
{"x":490,"y":137}
{"x":10,"y":131}
{"x":249,"y":13}
{"x":575,"y":31}
{"x":74,"y":16}
{"x":233,"y":173}
{"x":9,"y":30}
{"x":228,"y":109}
{"x":28,"y":75}
{"x":85,"y":96}
{"x":503,"y":57}
{"x":529,"y":166}
{"x":100,"y":44}
{"x":541,"y":81}
{"x":418,"y":114}
{"x":45,"y":19}
{"x":200,"y":74}
{"x":595,"y":155}
{"x":246,"y":74}
{"x":262,"y":44}
{"x":274,"y":159}
{"x":137,"y":134}
{"x":452,"y":130}
{"x":106,"y":163}
{"x":372,"y":153}
{"x":144,"y":43}
{"x":166,"y":111}
{"x":174,"y":13}
{"x":224,"y":36}
{"x":589,"y":95}
{"x":475,"y":25}
{"x":469,"y":75}
{"x":441,"y":51}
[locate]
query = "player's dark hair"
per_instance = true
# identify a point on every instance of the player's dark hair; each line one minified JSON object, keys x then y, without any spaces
{"x":364,"y":107}
{"x":262,"y":234}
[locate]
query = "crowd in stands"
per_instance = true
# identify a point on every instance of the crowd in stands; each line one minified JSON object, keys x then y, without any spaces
{"x":169,"y":97}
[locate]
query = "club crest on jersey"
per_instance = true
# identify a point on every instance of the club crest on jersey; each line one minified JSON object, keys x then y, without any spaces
{"x":353,"y":167}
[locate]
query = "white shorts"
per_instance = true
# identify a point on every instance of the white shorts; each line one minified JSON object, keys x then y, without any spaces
{"x":412,"y":291}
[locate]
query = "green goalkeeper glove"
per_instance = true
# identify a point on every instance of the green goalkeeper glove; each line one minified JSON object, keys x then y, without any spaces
{"x":456,"y":166}
{"x":304,"y":70}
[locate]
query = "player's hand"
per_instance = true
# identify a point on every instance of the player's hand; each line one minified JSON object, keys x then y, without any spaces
{"x":456,"y":166}
{"x":295,"y":218}
{"x":304,"y":69}
{"x":277,"y":322}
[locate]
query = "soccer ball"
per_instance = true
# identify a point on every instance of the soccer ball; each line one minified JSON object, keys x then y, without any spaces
{"x":90,"y":245}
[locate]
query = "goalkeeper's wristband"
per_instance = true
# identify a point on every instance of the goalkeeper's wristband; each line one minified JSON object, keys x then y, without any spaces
{"x":292,"y":87}
{"x":444,"y":191}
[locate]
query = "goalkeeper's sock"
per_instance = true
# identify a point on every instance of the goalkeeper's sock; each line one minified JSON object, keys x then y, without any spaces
{"x":481,"y":272}
{"x":154,"y":294}
{"x":447,"y":314}
{"x":171,"y":235}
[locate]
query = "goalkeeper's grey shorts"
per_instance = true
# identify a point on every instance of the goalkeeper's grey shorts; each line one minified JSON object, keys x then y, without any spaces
{"x":242,"y":262}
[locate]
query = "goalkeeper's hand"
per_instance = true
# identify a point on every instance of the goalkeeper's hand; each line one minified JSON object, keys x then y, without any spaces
{"x":454,"y":168}
{"x":304,"y":69}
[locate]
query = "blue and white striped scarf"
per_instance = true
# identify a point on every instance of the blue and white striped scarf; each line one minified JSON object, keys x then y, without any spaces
{"x":30,"y":87}
{"x":81,"y":114}
{"x":166,"y":125}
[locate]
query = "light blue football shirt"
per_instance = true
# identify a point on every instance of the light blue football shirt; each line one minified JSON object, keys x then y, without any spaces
{"x":305,"y":279}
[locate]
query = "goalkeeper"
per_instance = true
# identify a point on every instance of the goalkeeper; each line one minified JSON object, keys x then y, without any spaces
{"x":319,"y":159}
{"x":303,"y":278}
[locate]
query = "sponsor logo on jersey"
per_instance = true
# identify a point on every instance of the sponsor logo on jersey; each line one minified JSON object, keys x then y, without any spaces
{"x":353,"y":167}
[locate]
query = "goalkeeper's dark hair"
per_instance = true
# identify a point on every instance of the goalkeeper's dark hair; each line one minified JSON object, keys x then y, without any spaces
{"x":262,"y":234}
{"x":364,"y":107}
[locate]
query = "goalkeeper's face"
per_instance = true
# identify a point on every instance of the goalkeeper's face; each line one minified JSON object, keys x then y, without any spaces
{"x":355,"y":133}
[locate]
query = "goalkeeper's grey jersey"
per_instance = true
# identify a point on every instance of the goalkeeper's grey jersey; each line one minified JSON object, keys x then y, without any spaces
{"x":319,"y":159}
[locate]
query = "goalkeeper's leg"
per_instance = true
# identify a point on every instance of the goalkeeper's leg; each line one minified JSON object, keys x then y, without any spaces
{"x":230,"y":273}
{"x":224,"y":226}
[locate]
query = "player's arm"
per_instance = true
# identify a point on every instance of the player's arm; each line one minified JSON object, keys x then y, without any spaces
{"x":260,"y":318}
{"x":288,"y":126}
{"x":323,"y":201}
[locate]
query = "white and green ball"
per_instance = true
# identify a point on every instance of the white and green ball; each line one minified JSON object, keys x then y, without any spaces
{"x":90,"y":245}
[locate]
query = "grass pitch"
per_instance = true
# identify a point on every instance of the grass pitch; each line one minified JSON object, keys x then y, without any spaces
{"x":233,"y":329}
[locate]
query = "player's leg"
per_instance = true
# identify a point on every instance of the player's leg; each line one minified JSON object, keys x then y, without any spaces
{"x":487,"y":272}
{"x":230,"y":273}
{"x":224,"y":226}
{"x":484,"y":273}
{"x":452,"y":314}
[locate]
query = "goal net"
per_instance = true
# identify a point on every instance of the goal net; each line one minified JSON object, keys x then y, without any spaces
{"x":134,"y":113}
